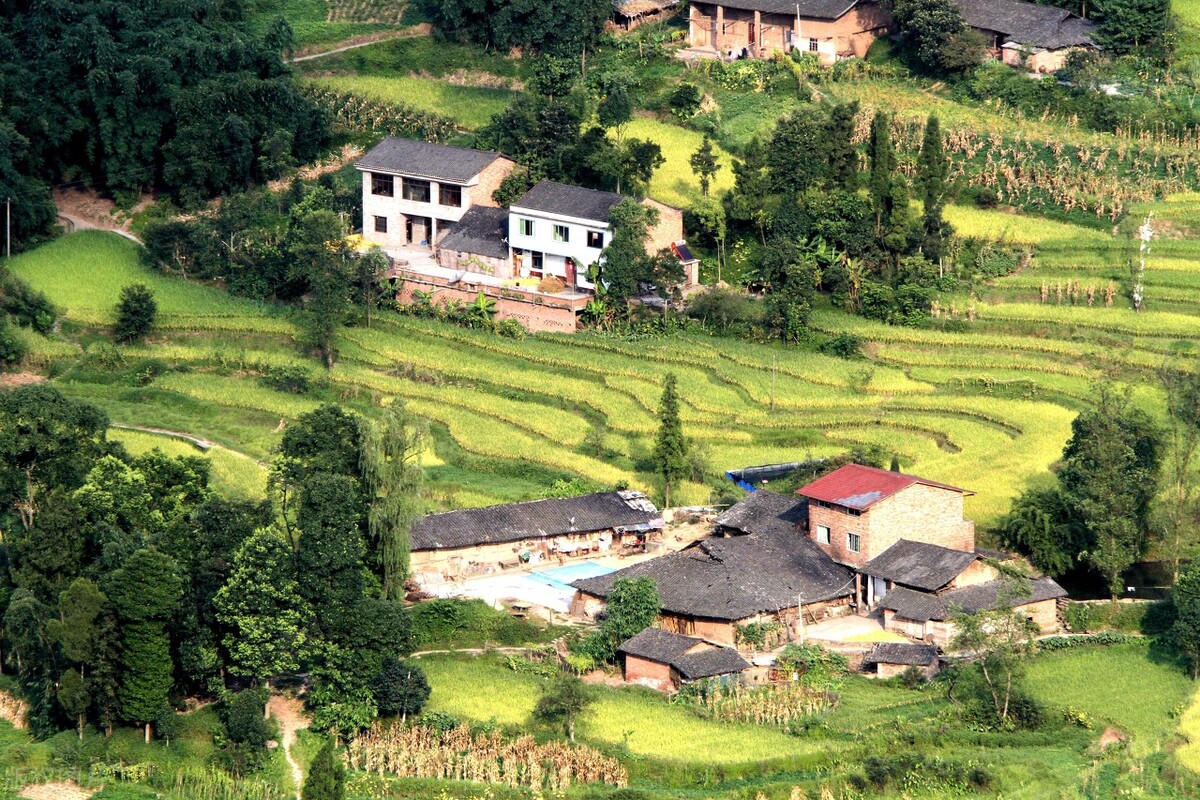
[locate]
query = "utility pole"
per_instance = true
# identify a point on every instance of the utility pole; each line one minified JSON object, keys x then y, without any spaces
{"x":8,"y":228}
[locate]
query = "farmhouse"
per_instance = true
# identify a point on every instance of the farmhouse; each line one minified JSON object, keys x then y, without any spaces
{"x":833,"y":29}
{"x":475,"y":541}
{"x":889,"y":659}
{"x":1029,"y":35}
{"x":414,"y":191}
{"x":859,"y":538}
{"x":628,"y":14}
{"x":761,"y":576}
{"x":662,"y":660}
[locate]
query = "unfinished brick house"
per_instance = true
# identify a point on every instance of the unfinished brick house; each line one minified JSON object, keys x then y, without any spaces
{"x":833,"y":29}
{"x":664,"y":661}
{"x":889,"y":659}
{"x":477,"y":541}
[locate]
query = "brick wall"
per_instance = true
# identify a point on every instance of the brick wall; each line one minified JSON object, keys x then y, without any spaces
{"x":920,"y":513}
{"x":840,"y":524}
{"x":894,"y":670}
{"x":645,"y":672}
{"x":489,"y":181}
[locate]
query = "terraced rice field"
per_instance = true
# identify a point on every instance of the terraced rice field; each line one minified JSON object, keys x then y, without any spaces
{"x":985,"y":404}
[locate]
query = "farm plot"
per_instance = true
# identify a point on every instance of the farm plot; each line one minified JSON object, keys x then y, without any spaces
{"x":471,"y":106}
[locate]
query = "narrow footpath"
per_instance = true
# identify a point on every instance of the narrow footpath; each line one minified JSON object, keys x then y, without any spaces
{"x":288,"y":712}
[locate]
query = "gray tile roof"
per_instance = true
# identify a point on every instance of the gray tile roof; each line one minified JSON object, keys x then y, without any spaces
{"x":1029,"y":23}
{"x":731,"y":579}
{"x":570,"y":201}
{"x":482,"y":231}
{"x":535,"y":519}
{"x":765,"y":512}
{"x":922,"y":606}
{"x":809,"y":9}
{"x":655,"y":644}
{"x":426,"y":160}
{"x":917,"y":655}
{"x":709,"y":663}
{"x":919,"y":565}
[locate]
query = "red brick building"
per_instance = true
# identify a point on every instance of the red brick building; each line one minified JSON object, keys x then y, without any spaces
{"x":662,"y":660}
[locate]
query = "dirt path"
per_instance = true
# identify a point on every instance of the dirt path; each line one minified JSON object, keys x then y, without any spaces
{"x":68,"y":790}
{"x":80,"y":209}
{"x":423,"y":29}
{"x":289,"y":713}
{"x":202,"y":444}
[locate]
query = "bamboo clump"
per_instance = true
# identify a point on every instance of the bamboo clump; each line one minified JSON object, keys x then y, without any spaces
{"x":457,"y":754}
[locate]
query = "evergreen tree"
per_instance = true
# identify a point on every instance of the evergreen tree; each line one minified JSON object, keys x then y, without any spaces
{"x":843,"y":155}
{"x":670,"y":446}
{"x":883,"y":167}
{"x":146,"y":592}
{"x":1109,"y":477}
{"x":77,"y":633}
{"x":326,"y":777}
{"x":704,"y":164}
{"x":262,"y":609}
{"x":932,"y":170}
{"x":136,"y":311}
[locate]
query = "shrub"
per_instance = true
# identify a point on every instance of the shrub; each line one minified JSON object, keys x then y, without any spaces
{"x":1080,"y":618}
{"x":26,"y":305}
{"x":286,"y":378}
{"x":844,"y":345}
{"x":912,"y":678}
{"x":12,"y":346}
{"x":136,"y":311}
{"x":440,"y":721}
{"x":399,"y":688}
{"x":685,"y":100}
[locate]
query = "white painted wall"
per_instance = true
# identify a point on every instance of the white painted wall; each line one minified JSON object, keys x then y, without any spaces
{"x":556,"y":253}
{"x":396,"y":208}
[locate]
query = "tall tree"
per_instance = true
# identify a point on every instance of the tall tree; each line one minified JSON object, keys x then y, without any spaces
{"x":1135,"y":26}
{"x":626,"y":269}
{"x":1185,"y":632}
{"x":632,"y":606}
{"x":47,"y":440}
{"x":704,"y":164}
{"x":392,"y":474}
{"x":77,"y":632}
{"x":563,"y":702}
{"x":1180,"y":515}
{"x":670,"y":446}
{"x":320,"y":257}
{"x":329,"y":549}
{"x":932,"y":170}
{"x":996,"y":644}
{"x":750,"y":200}
{"x":798,"y":154}
{"x":262,"y":609}
{"x":146,"y":592}
{"x":1110,"y":475}
{"x":883,"y":168}
{"x":399,"y":688}
{"x":928,"y":26}
{"x":843,"y":155}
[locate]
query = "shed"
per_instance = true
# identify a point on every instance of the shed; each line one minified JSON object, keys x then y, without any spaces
{"x":889,"y":659}
{"x":663,"y":660}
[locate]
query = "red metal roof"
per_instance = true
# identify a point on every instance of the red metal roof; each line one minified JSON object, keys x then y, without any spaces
{"x":856,"y":486}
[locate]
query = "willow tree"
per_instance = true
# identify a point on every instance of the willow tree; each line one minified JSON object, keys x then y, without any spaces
{"x":392,"y":476}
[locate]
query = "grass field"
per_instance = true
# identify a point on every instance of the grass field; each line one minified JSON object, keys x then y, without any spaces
{"x":470,"y":106}
{"x":674,"y":183}
{"x":325,"y":22}
{"x":233,"y":474}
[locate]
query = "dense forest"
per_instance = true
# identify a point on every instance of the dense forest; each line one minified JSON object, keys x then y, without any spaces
{"x":128,"y":583}
{"x":172,"y":96}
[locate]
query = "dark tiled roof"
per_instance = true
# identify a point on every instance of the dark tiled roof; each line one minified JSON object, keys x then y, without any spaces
{"x":917,"y":655}
{"x":920,"y":565}
{"x":426,"y":160}
{"x":709,"y":663}
{"x":809,"y":9}
{"x":655,"y":644}
{"x":1029,"y":23}
{"x":765,"y":512}
{"x":482,"y":231}
{"x":535,"y":519}
{"x":922,"y":606}
{"x":658,"y":645}
{"x":731,"y":579}
{"x":860,"y":487}
{"x":570,"y":201}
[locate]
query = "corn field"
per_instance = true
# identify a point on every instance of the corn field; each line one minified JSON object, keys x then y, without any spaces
{"x":776,"y":706}
{"x":386,"y":11}
{"x":362,"y":115}
{"x":457,"y":754}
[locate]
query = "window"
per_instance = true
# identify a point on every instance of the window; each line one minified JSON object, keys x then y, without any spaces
{"x":450,"y":195}
{"x":381,"y":224}
{"x":538,"y":260}
{"x":812,"y":45}
{"x":595,"y":240}
{"x":416,"y":191}
{"x":852,"y":542}
{"x":382,"y":184}
{"x":562,"y":233}
{"x":823,"y":534}
{"x":525,"y":226}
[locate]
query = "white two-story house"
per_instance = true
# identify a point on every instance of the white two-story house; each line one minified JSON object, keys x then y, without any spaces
{"x":413,"y":192}
{"x":560,"y":230}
